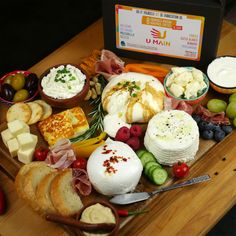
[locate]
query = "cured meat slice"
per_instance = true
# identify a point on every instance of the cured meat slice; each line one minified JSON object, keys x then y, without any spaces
{"x":216,"y":118}
{"x":61,"y":155}
{"x":81,"y":181}
{"x":171,"y":103}
{"x":109,"y":64}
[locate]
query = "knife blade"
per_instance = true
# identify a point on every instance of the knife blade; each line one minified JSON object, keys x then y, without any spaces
{"x":129,"y":198}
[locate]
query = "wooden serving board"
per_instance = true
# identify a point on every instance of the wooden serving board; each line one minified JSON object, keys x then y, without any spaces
{"x":12,"y":165}
{"x":164,"y":204}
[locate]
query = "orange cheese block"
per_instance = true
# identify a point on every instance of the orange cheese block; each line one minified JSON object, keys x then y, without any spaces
{"x":67,"y":124}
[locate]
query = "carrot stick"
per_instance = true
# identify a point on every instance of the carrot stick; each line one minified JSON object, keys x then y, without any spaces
{"x":148,"y":68}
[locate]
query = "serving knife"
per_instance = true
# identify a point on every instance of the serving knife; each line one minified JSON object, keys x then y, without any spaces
{"x":128,"y":198}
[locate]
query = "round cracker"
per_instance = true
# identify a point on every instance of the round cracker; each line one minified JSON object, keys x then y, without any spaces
{"x":47,"y":109}
{"x":19,"y":111}
{"x":37,"y":112}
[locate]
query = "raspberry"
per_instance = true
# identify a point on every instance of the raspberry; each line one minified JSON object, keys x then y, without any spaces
{"x":123,"y":134}
{"x":134,"y":143}
{"x":136,"y":130}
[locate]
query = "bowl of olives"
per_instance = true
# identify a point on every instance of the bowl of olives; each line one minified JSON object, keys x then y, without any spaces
{"x":18,"y":86}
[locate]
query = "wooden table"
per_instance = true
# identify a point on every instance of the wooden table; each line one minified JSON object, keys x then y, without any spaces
{"x":189,"y":211}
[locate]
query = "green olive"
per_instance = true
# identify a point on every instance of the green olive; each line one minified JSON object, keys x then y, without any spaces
{"x":8,"y":79}
{"x":21,"y":95}
{"x":18,"y":81}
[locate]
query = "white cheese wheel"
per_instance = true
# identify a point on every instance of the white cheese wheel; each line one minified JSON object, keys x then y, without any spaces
{"x":134,"y":97}
{"x":114,"y":168}
{"x":172,"y":136}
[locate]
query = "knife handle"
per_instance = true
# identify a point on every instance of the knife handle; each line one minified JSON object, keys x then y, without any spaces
{"x":192,"y":181}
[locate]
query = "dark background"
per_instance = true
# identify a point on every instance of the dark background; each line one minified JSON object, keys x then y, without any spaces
{"x":30,"y":30}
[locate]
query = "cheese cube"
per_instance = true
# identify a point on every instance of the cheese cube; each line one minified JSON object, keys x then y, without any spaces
{"x":25,"y":156}
{"x":35,"y":138}
{"x":17,"y":127}
{"x":6,"y":136}
{"x":26,"y":141}
{"x":13,"y":146}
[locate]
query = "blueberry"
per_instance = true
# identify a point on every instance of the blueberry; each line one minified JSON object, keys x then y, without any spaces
{"x":207,"y":134}
{"x":217,"y":127}
{"x":219,"y":135}
{"x":227,"y":129}
{"x":197,"y":118}
{"x":204,"y":125}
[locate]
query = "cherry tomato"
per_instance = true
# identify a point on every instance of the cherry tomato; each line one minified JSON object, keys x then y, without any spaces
{"x":180,"y":170}
{"x":41,"y":153}
{"x":80,"y":163}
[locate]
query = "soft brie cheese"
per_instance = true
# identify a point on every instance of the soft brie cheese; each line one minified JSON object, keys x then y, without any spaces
{"x":133,"y":97}
{"x":112,"y":123}
{"x":114,"y":168}
{"x":172,"y":136}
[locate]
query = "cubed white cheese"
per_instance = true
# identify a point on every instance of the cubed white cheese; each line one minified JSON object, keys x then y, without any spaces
{"x":176,"y":90}
{"x":25,"y":156}
{"x":17,"y":127}
{"x":192,"y":89}
{"x":6,"y":136}
{"x":178,"y":70}
{"x":26,"y":141}
{"x":13,"y":146}
{"x":35,"y":138}
{"x":197,"y":74}
{"x":184,"y":78}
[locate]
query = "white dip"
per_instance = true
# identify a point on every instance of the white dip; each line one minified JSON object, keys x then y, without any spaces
{"x":222,"y":71}
{"x":63,"y":82}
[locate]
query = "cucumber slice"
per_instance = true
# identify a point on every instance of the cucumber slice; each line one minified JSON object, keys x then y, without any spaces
{"x":140,"y":152}
{"x":159,"y":176}
{"x":149,"y":164}
{"x":146,"y":157}
{"x":151,"y":169}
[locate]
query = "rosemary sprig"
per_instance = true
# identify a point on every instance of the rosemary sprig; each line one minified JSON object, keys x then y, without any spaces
{"x":97,"y":116}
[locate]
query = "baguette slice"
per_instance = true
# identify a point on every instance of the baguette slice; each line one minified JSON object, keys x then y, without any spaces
{"x":64,"y":197}
{"x":43,"y":197}
{"x":32,"y":179}
{"x":20,"y":178}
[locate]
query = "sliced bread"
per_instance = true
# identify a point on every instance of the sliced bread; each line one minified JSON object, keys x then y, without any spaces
{"x":32,"y":178}
{"x":64,"y":197}
{"x":20,"y":178}
{"x":43,"y":196}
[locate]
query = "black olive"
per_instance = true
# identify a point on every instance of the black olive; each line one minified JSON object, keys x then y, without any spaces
{"x":31,"y":81}
{"x":32,"y":91}
{"x":7,"y":92}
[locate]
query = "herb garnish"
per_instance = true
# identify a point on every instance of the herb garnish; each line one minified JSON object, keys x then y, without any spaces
{"x":97,"y":116}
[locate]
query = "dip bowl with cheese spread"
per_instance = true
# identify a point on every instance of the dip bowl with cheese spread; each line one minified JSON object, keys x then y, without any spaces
{"x":221,"y":73}
{"x":98,"y":212}
{"x":186,"y":84}
{"x":63,"y":86}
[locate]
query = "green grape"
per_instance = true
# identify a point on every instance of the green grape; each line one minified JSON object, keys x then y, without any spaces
{"x":234,"y":122}
{"x":231,"y":110}
{"x":232,"y":97}
{"x":216,"y":105}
